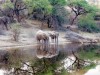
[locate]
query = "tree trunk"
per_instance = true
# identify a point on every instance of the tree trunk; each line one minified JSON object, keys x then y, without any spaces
{"x":72,"y":22}
{"x":56,"y":22}
{"x":48,"y":22}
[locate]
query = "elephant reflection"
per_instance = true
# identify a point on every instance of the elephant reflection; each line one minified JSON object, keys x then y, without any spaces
{"x":44,"y":52}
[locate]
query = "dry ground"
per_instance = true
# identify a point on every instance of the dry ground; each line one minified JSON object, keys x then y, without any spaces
{"x":28,"y":31}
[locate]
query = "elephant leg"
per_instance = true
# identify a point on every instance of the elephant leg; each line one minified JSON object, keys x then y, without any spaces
{"x":47,"y":44}
{"x":53,"y":40}
{"x":43,"y":43}
{"x":9,"y":26}
{"x":6,"y":26}
{"x":37,"y":41}
{"x":3,"y":27}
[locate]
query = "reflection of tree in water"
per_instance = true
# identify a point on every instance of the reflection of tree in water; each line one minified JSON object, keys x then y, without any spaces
{"x":89,"y":51}
{"x":17,"y":66}
{"x":89,"y":47}
{"x":10,"y":58}
{"x":83,"y":56}
{"x":16,"y":63}
{"x":68,"y":48}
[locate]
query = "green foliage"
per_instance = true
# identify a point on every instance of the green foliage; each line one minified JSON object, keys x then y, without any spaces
{"x":15,"y":26}
{"x":64,"y":72}
{"x":61,"y":14}
{"x":89,"y":54}
{"x":59,"y":10}
{"x":87,"y":23}
{"x":44,"y":7}
{"x":58,"y":2}
{"x":39,"y":4}
{"x":80,"y":7}
{"x":48,"y":71}
{"x":76,"y":2}
{"x":82,"y":4}
{"x":92,"y":65}
{"x":7,"y":4}
{"x":57,"y":5}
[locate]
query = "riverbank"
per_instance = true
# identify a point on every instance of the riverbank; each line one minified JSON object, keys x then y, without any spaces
{"x":28,"y":32}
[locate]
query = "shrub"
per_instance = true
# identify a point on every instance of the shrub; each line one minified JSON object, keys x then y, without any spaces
{"x":16,"y":32}
{"x":87,"y":23}
{"x":62,"y":14}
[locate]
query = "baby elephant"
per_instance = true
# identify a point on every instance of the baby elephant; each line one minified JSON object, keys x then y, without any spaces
{"x":54,"y":36}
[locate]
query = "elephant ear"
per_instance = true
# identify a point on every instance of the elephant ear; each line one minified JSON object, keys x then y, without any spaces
{"x":50,"y":34}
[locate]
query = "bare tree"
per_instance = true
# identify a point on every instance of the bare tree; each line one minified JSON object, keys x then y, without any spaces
{"x":18,"y":7}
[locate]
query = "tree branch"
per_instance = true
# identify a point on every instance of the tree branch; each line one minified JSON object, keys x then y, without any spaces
{"x":22,"y":9}
{"x":74,"y":10}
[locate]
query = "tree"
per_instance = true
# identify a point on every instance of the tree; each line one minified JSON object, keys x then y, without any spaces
{"x":18,"y":6}
{"x":87,"y":23}
{"x":39,"y":9}
{"x":50,"y":10}
{"x":14,"y":8}
{"x":80,"y":7}
{"x":58,"y":14}
{"x":7,"y":10}
{"x":38,"y":6}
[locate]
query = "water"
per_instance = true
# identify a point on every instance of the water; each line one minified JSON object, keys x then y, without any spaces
{"x":41,"y":60}
{"x":94,"y":71}
{"x":2,"y":72}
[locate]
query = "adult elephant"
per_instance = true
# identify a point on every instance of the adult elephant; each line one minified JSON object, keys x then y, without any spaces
{"x":4,"y":21}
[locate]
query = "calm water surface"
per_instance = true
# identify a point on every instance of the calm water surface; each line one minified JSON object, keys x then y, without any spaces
{"x":32,"y":60}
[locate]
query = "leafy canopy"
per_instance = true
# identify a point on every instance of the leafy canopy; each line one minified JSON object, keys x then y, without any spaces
{"x":87,"y":23}
{"x":39,"y":4}
{"x":7,"y":4}
{"x":57,"y":2}
{"x":82,"y":4}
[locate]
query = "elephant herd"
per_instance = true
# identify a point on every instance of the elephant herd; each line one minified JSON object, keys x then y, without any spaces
{"x":43,"y":37}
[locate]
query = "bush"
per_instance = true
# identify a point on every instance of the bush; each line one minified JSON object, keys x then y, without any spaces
{"x":16,"y":32}
{"x":87,"y":23}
